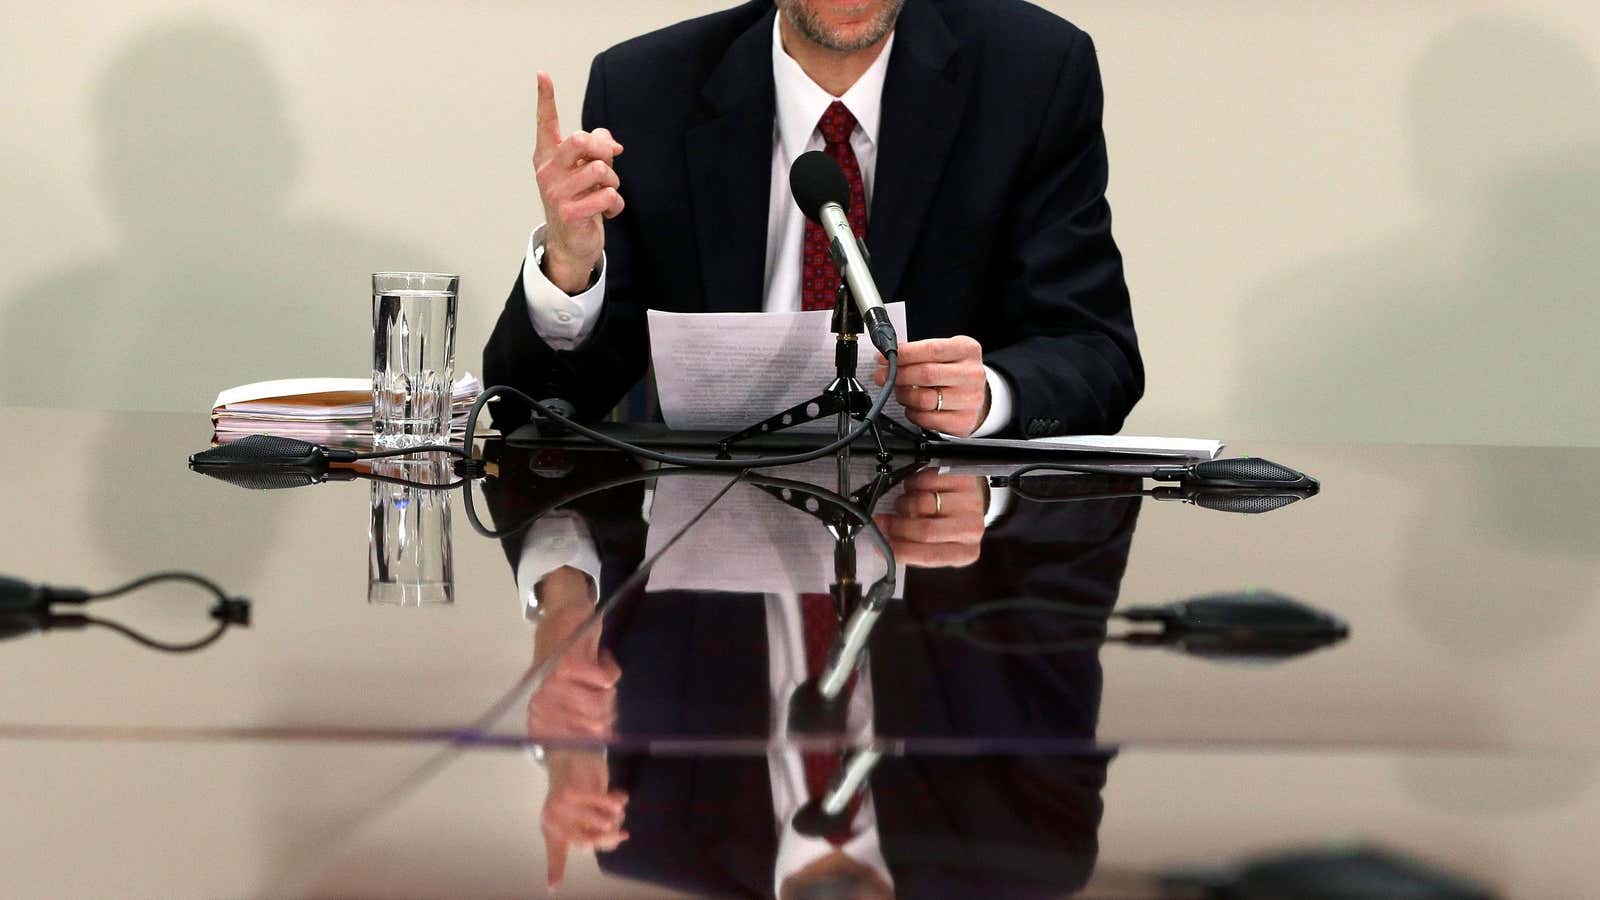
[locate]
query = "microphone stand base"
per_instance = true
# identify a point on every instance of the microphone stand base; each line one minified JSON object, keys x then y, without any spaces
{"x":844,"y":398}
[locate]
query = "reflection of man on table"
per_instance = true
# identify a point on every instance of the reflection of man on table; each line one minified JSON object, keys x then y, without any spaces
{"x":687,"y":663}
{"x":970,"y":134}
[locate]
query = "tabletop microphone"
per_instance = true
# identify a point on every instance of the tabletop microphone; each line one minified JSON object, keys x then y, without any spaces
{"x":266,"y":462}
{"x":823,"y":194}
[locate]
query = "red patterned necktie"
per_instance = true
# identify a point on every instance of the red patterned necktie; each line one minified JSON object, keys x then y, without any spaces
{"x":819,"y":280}
{"x":821,"y":628}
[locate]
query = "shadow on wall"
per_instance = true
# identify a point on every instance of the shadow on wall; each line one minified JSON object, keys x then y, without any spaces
{"x":1479,"y":324}
{"x":216,"y":281}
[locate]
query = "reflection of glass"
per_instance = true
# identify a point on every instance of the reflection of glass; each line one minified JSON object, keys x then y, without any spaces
{"x":413,"y":355}
{"x":408,"y":540}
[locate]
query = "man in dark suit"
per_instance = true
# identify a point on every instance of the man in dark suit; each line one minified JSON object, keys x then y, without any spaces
{"x":970,"y":132}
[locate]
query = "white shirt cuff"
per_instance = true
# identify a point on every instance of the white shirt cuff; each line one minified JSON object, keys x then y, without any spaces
{"x":999,"y":503}
{"x":556,"y":540}
{"x":999,"y":404}
{"x":562,"y":321}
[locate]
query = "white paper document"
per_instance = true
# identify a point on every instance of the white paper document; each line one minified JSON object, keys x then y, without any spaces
{"x":725,"y":371}
{"x":763,"y":545}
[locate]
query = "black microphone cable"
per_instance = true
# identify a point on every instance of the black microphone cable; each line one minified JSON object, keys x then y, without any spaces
{"x":27,"y":607}
{"x":698,"y":462}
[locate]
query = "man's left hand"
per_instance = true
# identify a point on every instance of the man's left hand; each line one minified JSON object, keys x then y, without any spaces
{"x":941,"y":383}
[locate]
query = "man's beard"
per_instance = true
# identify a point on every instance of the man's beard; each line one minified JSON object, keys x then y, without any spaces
{"x":813,"y":29}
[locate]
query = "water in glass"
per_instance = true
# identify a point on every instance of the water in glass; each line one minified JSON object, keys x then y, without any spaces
{"x":413,"y":358}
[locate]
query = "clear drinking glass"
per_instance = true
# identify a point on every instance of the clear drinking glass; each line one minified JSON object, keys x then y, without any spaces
{"x":413,"y":357}
{"x":408,"y":539}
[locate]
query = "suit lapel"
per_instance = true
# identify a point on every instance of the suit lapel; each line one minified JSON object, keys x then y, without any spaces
{"x":923,"y":96}
{"x":729,"y":150}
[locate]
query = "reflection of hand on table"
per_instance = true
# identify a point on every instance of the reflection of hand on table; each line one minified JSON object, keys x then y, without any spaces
{"x":938,"y":521}
{"x":579,"y":810}
{"x":578,"y":698}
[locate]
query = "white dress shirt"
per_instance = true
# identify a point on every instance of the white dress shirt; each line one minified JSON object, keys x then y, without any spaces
{"x":564,"y":321}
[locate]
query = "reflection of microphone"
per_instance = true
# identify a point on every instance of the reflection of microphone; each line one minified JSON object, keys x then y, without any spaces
{"x":1255,"y":626}
{"x":822,"y":193}
{"x":846,"y":651}
{"x":1243,"y":500}
{"x":1243,"y":473}
{"x":818,"y":706}
{"x":825,"y":815}
{"x":1244,"y":626}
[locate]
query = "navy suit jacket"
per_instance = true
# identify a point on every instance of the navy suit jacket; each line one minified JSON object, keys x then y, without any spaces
{"x":988,"y":215}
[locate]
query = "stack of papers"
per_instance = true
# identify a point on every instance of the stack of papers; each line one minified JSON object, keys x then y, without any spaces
{"x":321,"y":410}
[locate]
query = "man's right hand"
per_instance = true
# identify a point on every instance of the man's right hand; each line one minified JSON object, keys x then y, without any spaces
{"x":577,"y":185}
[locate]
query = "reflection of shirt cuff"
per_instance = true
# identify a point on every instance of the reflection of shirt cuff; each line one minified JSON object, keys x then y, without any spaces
{"x":556,"y":540}
{"x":999,"y":404}
{"x":562,"y":321}
{"x":999,"y":503}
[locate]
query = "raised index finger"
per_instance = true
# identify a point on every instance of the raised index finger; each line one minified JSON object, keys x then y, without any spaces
{"x":548,"y":135}
{"x":952,"y":349}
{"x":555,"y":860}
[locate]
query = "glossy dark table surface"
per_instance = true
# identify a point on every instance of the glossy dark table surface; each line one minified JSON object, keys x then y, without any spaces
{"x":339,"y":748}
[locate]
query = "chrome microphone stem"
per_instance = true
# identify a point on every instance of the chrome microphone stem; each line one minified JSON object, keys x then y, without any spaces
{"x":846,"y":650}
{"x":852,"y":263}
{"x":851,"y":777}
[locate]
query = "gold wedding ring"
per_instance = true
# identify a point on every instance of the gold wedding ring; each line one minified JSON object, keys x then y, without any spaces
{"x":938,"y":505}
{"x":938,"y":404}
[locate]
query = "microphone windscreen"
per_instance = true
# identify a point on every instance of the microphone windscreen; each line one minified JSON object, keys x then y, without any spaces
{"x":815,"y":179}
{"x":259,"y":451}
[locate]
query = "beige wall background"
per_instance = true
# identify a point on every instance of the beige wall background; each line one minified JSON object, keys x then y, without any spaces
{"x":1353,"y":220}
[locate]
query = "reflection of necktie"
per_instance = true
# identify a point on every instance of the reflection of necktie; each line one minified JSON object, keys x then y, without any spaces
{"x":821,"y":627}
{"x":819,"y":279}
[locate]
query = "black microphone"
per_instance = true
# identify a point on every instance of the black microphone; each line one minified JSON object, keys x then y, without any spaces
{"x":268,"y":462}
{"x":266,"y":451}
{"x":820,"y":189}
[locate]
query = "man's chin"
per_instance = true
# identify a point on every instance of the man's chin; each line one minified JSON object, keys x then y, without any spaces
{"x":843,"y":27}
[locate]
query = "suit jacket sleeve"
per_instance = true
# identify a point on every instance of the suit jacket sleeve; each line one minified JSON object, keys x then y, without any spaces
{"x":596,"y":374}
{"x":1076,"y":365}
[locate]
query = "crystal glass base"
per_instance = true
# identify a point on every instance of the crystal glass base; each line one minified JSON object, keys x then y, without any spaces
{"x":399,"y":594}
